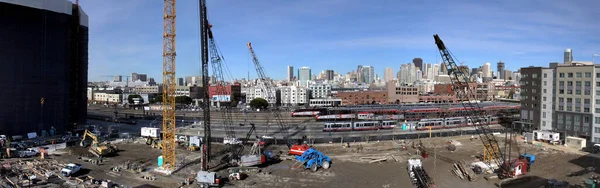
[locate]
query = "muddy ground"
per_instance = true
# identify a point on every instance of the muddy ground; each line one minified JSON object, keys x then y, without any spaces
{"x":348,"y":169}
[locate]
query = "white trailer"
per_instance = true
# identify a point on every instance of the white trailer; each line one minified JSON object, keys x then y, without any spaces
{"x":547,"y":136}
{"x":150,"y":132}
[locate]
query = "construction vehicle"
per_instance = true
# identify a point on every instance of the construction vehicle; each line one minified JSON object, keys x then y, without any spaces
{"x":461,"y":83}
{"x":207,"y":179}
{"x":70,"y":169}
{"x":313,"y":160}
{"x":268,"y":88}
{"x":417,"y":174}
{"x":96,"y":148}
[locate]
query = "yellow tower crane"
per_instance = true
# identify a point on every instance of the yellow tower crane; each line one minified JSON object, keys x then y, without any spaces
{"x":169,"y":83}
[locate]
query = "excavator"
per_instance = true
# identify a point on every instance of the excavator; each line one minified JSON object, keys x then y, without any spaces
{"x":96,"y":148}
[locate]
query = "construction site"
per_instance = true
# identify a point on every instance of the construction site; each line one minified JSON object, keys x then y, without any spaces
{"x":480,"y":154}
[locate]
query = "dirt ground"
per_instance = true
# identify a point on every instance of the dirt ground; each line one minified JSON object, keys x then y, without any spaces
{"x":348,"y":169}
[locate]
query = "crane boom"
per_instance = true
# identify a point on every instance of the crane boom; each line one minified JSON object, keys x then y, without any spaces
{"x":169,"y":83}
{"x":267,"y":88}
{"x":204,"y":27}
{"x":460,"y":82}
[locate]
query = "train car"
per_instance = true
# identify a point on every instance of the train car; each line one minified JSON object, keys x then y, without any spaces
{"x":454,"y":122}
{"x":366,"y":125}
{"x":308,"y":112}
{"x":333,"y":117}
{"x":337,"y":126}
{"x":388,"y":124}
{"x":366,"y":116}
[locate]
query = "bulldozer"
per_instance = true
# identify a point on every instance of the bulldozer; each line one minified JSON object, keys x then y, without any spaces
{"x":96,"y":148}
{"x":154,"y":142}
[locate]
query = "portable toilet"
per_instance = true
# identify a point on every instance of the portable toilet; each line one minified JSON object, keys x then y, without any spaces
{"x":160,"y":161}
{"x":404,"y":126}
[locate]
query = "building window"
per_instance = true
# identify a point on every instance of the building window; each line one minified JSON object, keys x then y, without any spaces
{"x":588,"y":83}
{"x":561,"y":91}
{"x":578,"y":75}
{"x":570,"y":75}
{"x":577,"y":101}
{"x":577,"y":92}
{"x":587,"y":92}
{"x":597,"y":110}
{"x":597,"y":75}
{"x":569,"y":100}
{"x":545,"y":75}
{"x":544,"y":107}
{"x":560,"y":83}
{"x":545,"y":83}
{"x":586,"y":119}
{"x":569,"y":108}
{"x":561,"y":100}
{"x":586,"y":109}
{"x":597,"y":120}
{"x":544,"y":90}
{"x":586,"y":101}
{"x":596,"y":140}
{"x":577,"y":109}
{"x":569,"y":83}
{"x":544,"y":115}
{"x":562,"y":75}
{"x":578,"y":83}
{"x":596,"y":129}
{"x":561,"y":108}
{"x":543,"y":123}
{"x":544,"y":97}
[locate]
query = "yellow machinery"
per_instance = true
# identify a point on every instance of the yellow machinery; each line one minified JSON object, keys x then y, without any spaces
{"x":154,"y":142}
{"x":194,"y":147}
{"x":95,"y":147}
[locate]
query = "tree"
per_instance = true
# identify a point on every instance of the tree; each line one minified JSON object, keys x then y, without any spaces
{"x":133,"y":96}
{"x":259,"y":103}
{"x":183,"y":100}
{"x":234,"y":102}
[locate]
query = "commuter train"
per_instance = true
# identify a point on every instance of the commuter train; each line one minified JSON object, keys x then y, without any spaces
{"x":361,"y":116}
{"x":446,"y":123}
{"x":358,"y":126}
{"x":308,"y":112}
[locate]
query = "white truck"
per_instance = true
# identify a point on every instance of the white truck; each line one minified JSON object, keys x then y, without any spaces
{"x":70,"y":169}
{"x":27,"y":153}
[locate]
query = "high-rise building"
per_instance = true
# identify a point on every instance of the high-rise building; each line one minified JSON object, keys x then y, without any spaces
{"x":118,"y":78}
{"x":508,"y":75}
{"x":329,"y":74}
{"x":143,"y":77}
{"x":290,"y":73}
{"x":568,"y":56}
{"x":487,"y":71}
{"x":44,"y":47}
{"x":359,"y":74}
{"x":304,"y":75}
{"x":134,"y":77}
{"x":368,"y":74}
{"x":501,"y":74}
{"x":418,"y":63}
{"x":444,"y":68}
{"x":180,"y":82}
{"x":388,"y":74}
{"x":536,"y":100}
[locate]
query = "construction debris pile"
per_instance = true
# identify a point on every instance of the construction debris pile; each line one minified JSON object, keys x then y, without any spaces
{"x":22,"y":173}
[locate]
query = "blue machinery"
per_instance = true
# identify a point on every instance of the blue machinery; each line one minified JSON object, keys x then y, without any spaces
{"x":313,"y":159}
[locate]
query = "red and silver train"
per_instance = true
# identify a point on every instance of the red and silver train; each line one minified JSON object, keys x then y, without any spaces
{"x":453,"y":122}
{"x":358,"y":126}
{"x":308,"y":112}
{"x":361,"y":116}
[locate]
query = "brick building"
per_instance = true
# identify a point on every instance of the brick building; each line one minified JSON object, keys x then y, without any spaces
{"x":362,"y":97}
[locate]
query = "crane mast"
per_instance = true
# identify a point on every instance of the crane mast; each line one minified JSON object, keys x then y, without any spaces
{"x":204,"y":28}
{"x":267,"y":88}
{"x":169,"y":83}
{"x":460,"y":82}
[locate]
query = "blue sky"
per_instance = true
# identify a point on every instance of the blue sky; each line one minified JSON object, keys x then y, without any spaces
{"x":126,"y":36}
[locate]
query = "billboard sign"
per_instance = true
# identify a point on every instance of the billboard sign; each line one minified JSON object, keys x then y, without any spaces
{"x":221,"y":98}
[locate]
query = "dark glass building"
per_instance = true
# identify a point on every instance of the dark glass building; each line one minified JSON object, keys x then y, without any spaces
{"x":44,"y":57}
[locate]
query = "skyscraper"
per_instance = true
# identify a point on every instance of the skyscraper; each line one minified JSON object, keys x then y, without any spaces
{"x":444,"y":68}
{"x":418,"y":63}
{"x":486,"y":69}
{"x":388,"y":74}
{"x":359,"y":74}
{"x":304,"y":75}
{"x":290,"y":73}
{"x":329,"y":74}
{"x":568,"y":56}
{"x":368,"y":74}
{"x":118,"y":78}
{"x":501,"y":74}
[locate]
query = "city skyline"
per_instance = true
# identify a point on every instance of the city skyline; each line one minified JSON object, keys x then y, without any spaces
{"x":291,"y":37}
